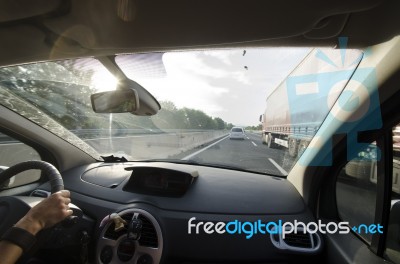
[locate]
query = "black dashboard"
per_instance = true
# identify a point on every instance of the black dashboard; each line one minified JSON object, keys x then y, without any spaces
{"x":179,"y":207}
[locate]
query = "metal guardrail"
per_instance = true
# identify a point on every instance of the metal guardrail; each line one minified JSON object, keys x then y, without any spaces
{"x":96,"y":133}
{"x":105,"y":133}
{"x":101,"y":133}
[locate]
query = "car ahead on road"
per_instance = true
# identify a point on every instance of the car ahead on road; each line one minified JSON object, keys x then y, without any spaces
{"x":129,"y":106}
{"x":237,"y":133}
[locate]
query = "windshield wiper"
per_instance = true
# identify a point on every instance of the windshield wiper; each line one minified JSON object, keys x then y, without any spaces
{"x":112,"y":158}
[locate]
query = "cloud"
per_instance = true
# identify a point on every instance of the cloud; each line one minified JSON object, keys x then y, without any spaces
{"x":217,"y":82}
{"x":222,"y":55}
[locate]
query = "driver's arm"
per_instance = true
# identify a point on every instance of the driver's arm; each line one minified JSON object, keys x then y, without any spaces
{"x":43,"y":215}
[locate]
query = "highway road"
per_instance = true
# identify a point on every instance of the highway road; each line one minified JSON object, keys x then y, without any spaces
{"x":249,"y":154}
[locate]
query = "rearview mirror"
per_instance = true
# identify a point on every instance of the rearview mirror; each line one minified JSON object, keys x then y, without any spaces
{"x":118,"y":101}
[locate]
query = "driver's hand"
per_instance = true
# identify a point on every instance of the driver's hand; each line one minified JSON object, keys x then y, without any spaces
{"x":47,"y":213}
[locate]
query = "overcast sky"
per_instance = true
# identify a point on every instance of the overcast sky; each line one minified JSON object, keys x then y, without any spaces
{"x":224,"y":83}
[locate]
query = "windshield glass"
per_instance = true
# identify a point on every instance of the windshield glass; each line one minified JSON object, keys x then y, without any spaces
{"x":203,"y":95}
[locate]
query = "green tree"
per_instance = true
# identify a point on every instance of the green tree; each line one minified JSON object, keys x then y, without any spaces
{"x":220,"y":123}
{"x":229,"y":126}
{"x":168,"y":105}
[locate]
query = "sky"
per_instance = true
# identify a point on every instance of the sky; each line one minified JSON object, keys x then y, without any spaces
{"x":230,"y":84}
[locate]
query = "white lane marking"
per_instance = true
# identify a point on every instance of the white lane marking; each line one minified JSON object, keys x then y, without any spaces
{"x":255,"y":145}
{"x":278,"y":167}
{"x":201,"y":150}
{"x":248,"y":138}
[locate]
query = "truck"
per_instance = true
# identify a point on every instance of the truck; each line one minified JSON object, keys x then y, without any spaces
{"x":299,"y":104}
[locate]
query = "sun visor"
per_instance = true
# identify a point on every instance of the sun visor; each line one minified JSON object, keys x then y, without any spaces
{"x":23,"y":9}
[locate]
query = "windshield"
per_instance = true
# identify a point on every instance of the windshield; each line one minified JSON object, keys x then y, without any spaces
{"x":203,"y":95}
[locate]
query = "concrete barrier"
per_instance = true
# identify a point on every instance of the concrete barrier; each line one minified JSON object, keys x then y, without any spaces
{"x":155,"y":146}
{"x":150,"y":146}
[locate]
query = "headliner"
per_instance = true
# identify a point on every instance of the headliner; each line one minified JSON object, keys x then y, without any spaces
{"x":49,"y":29}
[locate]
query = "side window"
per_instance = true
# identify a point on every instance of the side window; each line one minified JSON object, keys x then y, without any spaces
{"x":356,"y":191}
{"x":392,"y":250}
{"x":12,"y":152}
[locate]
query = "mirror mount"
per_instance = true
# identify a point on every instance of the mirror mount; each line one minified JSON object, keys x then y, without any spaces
{"x":148,"y":105}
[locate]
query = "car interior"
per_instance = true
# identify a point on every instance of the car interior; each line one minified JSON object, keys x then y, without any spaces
{"x":133,"y":204}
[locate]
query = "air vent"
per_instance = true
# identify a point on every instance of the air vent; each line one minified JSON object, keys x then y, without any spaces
{"x":149,"y":234}
{"x":300,"y":241}
{"x":127,"y":217}
{"x":111,"y":234}
{"x":151,"y":237}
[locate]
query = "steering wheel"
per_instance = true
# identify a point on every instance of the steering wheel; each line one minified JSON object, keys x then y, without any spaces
{"x":13,"y":208}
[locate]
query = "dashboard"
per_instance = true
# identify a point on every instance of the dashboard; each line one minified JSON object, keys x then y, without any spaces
{"x":175,"y":213}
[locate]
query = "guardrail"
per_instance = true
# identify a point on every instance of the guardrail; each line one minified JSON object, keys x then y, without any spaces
{"x":155,"y":146}
{"x":136,"y":144}
{"x":100,"y":133}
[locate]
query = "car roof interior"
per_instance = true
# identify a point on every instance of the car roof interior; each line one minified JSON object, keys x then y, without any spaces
{"x":49,"y":30}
